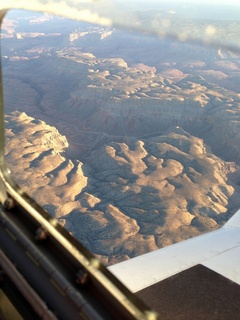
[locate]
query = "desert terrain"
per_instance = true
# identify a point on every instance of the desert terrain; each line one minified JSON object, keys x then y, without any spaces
{"x":130,"y":141}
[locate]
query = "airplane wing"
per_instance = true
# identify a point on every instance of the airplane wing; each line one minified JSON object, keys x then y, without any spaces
{"x":197,"y":278}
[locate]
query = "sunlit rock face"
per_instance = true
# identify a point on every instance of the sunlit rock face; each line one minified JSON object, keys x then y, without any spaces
{"x":35,"y":154}
{"x":170,"y":185}
{"x":129,"y":197}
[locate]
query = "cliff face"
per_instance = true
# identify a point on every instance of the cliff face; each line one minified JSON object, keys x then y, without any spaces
{"x":128,"y":197}
{"x":35,"y":153}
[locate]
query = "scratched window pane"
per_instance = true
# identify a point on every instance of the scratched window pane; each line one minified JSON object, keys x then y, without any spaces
{"x":130,"y":140}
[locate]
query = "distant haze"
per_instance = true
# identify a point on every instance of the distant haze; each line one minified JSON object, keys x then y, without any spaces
{"x":193,"y":9}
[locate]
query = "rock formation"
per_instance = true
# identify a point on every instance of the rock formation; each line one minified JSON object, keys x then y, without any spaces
{"x":129,"y":197}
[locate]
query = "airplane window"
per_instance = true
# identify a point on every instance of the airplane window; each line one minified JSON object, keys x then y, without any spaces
{"x":130,"y":140}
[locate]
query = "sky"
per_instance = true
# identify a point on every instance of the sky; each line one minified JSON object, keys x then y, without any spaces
{"x":195,"y":9}
{"x":209,"y":2}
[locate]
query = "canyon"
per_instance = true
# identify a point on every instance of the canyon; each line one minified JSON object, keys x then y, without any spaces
{"x":130,"y":151}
